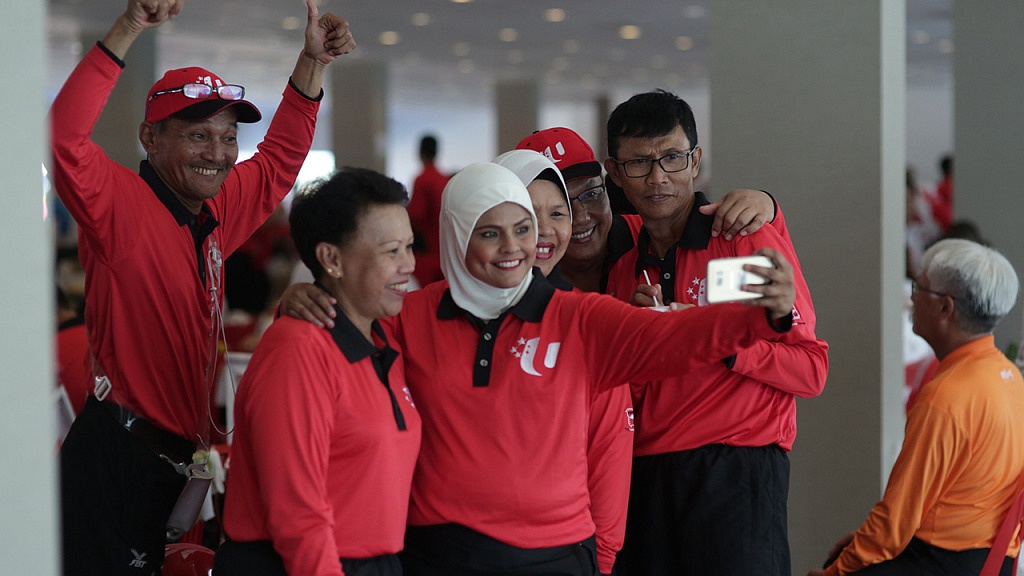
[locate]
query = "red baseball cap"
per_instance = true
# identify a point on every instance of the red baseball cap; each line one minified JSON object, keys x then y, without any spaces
{"x":168,"y":98}
{"x":571,"y":153}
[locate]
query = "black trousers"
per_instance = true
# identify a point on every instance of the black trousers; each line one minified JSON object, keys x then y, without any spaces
{"x":454,"y":550}
{"x":921,"y":559}
{"x":716,"y":509}
{"x":260,"y":559}
{"x":116,"y":495}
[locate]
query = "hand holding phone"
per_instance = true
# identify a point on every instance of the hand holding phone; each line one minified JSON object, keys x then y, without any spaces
{"x":726,"y":277}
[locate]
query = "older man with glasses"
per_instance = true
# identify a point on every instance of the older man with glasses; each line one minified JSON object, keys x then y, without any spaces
{"x":946,"y":507}
{"x":152,"y":244}
{"x":710,"y":468}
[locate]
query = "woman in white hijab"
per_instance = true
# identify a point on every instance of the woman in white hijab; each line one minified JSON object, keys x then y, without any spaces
{"x":551,"y":205}
{"x":610,"y":418}
{"x":502,"y":368}
{"x":479,"y":188}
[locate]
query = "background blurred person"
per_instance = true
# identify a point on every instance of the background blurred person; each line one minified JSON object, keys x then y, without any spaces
{"x":424,"y":210}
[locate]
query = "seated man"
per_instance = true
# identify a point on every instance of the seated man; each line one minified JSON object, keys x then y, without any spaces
{"x":962,"y":462}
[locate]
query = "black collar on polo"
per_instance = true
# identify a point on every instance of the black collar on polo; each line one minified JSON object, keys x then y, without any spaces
{"x":200,"y":226}
{"x":559,"y":282}
{"x":620,"y":242}
{"x":529,"y":309}
{"x":696,"y":236}
{"x":356,"y":348}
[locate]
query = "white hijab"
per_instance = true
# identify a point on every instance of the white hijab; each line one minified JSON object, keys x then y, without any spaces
{"x":472,"y":191}
{"x":528,"y":164}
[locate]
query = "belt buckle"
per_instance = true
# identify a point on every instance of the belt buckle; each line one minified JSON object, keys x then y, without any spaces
{"x":101,"y":387}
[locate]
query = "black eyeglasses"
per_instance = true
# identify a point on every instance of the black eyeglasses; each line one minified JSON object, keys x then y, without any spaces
{"x":198,"y":91}
{"x":673,"y":162}
{"x":915,"y":287}
{"x":590,"y":197}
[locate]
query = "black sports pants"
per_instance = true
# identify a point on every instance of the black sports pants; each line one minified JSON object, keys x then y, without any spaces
{"x":713,"y":510}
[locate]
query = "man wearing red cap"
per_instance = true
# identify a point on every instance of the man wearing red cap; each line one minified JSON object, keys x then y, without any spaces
{"x":152,"y":244}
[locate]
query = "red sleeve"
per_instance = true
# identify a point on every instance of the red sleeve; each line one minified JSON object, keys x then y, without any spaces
{"x":290,"y":411}
{"x":94,"y":188}
{"x":629,"y":343}
{"x":609,"y":463}
{"x":797,"y":363}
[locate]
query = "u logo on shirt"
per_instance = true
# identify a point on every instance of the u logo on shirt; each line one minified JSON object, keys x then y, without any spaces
{"x":527,"y":356}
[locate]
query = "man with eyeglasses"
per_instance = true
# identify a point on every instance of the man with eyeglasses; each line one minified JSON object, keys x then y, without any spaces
{"x":710,"y":468}
{"x":598,"y":239}
{"x":152,"y":244}
{"x":961,"y":467}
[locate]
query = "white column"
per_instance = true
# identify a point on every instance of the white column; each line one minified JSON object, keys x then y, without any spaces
{"x":989,"y":128}
{"x":808,"y":102}
{"x":359,"y":103}
{"x":517,"y":104}
{"x":28,"y":480}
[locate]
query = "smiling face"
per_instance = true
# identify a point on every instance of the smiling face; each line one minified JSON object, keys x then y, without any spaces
{"x":501,"y":247}
{"x":375,"y":265}
{"x":659,"y":195}
{"x":193,"y":157}
{"x":591,"y":220}
{"x":553,"y":223}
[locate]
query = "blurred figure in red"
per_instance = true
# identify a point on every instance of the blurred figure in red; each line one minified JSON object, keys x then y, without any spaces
{"x":424,"y":211}
{"x":72,"y":347}
{"x":942,"y":199}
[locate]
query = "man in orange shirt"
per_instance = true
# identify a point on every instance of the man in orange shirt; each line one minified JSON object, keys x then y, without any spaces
{"x":962,"y":462}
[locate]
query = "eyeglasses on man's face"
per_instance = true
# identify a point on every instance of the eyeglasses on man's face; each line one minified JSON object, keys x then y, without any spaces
{"x":915,"y":287}
{"x":590,"y":198}
{"x":198,"y":91}
{"x":672,"y":162}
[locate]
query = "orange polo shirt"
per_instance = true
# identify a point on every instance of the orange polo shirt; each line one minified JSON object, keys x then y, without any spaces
{"x":961,"y":466}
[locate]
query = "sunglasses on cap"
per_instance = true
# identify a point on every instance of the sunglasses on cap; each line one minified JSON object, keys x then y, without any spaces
{"x":198,"y":91}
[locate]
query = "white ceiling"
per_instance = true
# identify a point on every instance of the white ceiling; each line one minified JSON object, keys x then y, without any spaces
{"x":459,"y":53}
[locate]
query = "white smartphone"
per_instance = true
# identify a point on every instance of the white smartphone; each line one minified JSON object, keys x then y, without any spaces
{"x":726,"y":276}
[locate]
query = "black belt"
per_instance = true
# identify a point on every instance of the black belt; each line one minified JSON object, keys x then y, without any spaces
{"x":163,"y":443}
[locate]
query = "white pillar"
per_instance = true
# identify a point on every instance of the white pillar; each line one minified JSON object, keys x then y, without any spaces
{"x":359,"y":121}
{"x":28,"y":480}
{"x":517,"y":106}
{"x":808,"y":102}
{"x":989,"y":129}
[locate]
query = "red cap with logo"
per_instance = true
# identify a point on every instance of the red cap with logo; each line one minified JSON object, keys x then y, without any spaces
{"x":571,"y":153}
{"x":181,"y":93}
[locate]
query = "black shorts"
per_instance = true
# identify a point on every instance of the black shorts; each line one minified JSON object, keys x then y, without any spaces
{"x":116,"y":495}
{"x":454,"y":550}
{"x":260,"y":559}
{"x":713,"y":510}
